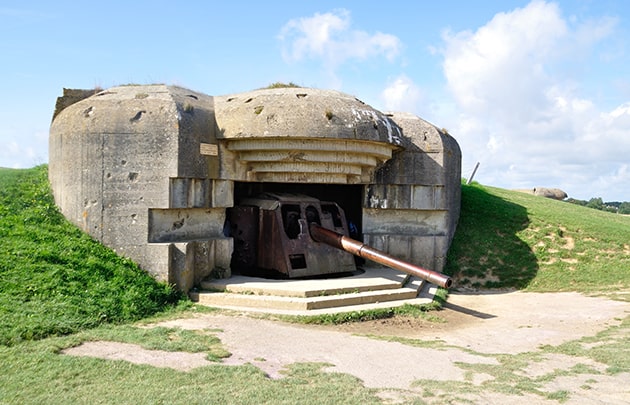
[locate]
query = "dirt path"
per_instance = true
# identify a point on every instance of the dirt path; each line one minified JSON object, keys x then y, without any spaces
{"x":511,"y":322}
{"x":478,"y":331}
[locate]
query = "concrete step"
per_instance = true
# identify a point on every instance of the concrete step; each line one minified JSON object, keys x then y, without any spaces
{"x":376,"y":288}
{"x":369,"y":280}
{"x":425,"y":296}
{"x":303,"y":303}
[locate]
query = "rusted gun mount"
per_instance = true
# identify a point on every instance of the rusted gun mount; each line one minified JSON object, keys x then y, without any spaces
{"x":291,"y":236}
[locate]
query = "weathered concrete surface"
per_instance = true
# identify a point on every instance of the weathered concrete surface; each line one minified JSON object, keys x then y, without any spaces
{"x":114,"y":157}
{"x":150,"y":170}
{"x":303,"y":135}
{"x":303,"y":112}
{"x":414,"y":204}
{"x":71,"y":96}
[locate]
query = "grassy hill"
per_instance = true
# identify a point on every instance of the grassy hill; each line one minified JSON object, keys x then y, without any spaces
{"x":507,"y":239}
{"x":56,"y":280}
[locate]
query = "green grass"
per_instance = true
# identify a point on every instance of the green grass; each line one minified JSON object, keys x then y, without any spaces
{"x":34,"y":373}
{"x":507,"y":239}
{"x":67,"y":379}
{"x":54,"y":279}
{"x":59,"y":288}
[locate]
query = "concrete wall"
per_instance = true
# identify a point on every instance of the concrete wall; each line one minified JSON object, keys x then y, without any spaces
{"x":300,"y":135}
{"x":412,"y":208}
{"x":120,"y":157}
{"x":150,"y":170}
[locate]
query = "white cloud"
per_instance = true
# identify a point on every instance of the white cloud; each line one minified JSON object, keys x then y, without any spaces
{"x":593,"y":31}
{"x":401,"y":94}
{"x":330,"y":38}
{"x":607,"y":136}
{"x":308,"y":37}
{"x":29,"y":151}
{"x":520,"y":109}
{"x":623,"y":111}
{"x":503,"y":62}
{"x":11,"y":148}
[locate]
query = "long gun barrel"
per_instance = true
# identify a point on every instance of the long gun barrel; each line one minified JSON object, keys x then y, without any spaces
{"x":339,"y":241}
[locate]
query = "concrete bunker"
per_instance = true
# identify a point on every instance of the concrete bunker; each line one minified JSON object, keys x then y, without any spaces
{"x":153,"y":170}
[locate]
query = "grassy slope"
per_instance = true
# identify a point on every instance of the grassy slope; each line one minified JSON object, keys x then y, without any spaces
{"x":54,"y":279}
{"x":508,"y":239}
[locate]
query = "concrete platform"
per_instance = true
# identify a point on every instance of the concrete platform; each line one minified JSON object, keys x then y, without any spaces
{"x":375,"y":288}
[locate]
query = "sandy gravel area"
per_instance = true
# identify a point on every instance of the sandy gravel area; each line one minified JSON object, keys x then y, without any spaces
{"x":476,"y":329}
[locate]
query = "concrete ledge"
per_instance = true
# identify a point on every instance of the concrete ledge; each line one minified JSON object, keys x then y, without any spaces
{"x":300,"y":303}
{"x":370,"y":280}
{"x":424,"y":297}
{"x":376,"y":288}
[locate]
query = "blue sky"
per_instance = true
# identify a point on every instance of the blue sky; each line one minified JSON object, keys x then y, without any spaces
{"x":538,"y":92}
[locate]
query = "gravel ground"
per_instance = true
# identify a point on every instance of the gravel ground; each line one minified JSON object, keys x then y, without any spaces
{"x":476,"y":329}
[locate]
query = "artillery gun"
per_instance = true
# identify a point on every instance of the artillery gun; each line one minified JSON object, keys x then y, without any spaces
{"x":295,"y":236}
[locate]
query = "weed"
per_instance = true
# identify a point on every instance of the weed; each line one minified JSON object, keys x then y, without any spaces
{"x":279,"y":85}
{"x":560,"y":396}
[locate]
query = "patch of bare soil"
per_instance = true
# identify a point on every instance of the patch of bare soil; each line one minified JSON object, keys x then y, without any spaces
{"x":475,"y":330}
{"x":181,"y":361}
{"x":436,"y":323}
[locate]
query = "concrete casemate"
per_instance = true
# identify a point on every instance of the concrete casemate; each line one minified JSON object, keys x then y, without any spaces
{"x":150,"y":170}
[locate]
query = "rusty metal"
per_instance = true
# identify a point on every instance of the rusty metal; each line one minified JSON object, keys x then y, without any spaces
{"x":271,"y":237}
{"x":339,"y":241}
{"x":292,"y":235}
